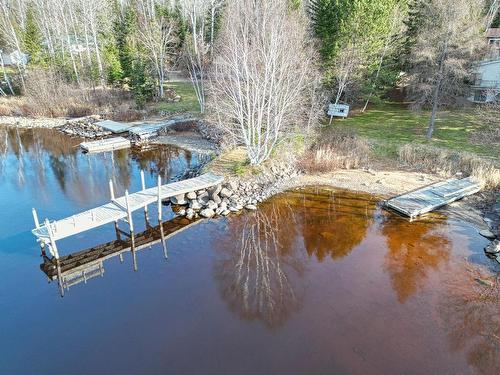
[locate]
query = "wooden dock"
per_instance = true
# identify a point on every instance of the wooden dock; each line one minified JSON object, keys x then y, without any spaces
{"x":118,"y":209}
{"x":431,"y":197}
{"x":84,"y":265}
{"x":108,"y":144}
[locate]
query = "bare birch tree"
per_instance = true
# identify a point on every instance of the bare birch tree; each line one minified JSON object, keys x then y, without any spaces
{"x":260,"y":73}
{"x":442,"y":57}
{"x":156,"y":32}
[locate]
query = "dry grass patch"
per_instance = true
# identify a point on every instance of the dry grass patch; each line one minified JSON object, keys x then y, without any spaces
{"x":335,"y":149}
{"x":448,"y":163}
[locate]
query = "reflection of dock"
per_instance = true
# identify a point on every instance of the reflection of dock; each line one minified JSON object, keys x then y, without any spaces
{"x":107,"y":144}
{"x":431,"y":197}
{"x":86,"y":264}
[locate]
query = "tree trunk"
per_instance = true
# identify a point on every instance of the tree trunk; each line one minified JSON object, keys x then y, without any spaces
{"x":432,"y":122}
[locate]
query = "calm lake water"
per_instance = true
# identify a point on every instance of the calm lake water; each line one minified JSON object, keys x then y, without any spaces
{"x":317,"y":281}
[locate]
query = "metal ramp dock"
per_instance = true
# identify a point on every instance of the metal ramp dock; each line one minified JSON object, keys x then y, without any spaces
{"x":431,"y":197}
{"x":117,"y":209}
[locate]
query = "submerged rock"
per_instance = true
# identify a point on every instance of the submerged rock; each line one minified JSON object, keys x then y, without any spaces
{"x":487,"y":233}
{"x":493,"y":247}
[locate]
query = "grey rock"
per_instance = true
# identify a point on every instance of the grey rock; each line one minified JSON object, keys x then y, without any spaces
{"x":207,"y":212}
{"x":204,"y":200}
{"x":182,"y":212}
{"x":223,"y":206}
{"x":191,"y":195}
{"x":232,"y":185}
{"x":493,"y":247}
{"x":233,"y":209}
{"x":251,"y":207}
{"x":225,"y":193}
{"x":488,"y":234}
{"x":201,"y":192}
{"x":216,"y":199}
{"x":225,"y":212}
{"x":195,"y":205}
{"x":211,"y":205}
{"x":215,"y":190}
{"x":178,"y":200}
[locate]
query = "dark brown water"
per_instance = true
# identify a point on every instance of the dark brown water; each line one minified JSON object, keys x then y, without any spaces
{"x":317,"y":281}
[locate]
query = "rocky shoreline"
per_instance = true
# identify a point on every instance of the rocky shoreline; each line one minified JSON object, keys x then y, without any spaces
{"x":233,"y":196}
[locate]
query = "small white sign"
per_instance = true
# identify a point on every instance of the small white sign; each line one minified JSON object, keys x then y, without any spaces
{"x":338,"y":110}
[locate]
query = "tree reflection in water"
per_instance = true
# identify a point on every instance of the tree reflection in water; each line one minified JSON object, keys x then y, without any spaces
{"x":81,"y":177}
{"x":470,"y":310}
{"x":255,"y":275}
{"x":414,"y":248}
{"x":332,"y":224}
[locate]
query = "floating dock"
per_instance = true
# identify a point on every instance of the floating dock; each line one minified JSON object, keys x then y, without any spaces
{"x":431,"y":197}
{"x":108,"y":144}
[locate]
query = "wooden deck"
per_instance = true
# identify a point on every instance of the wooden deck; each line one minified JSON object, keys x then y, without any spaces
{"x":108,"y":144}
{"x":431,"y":197}
{"x":117,"y":209}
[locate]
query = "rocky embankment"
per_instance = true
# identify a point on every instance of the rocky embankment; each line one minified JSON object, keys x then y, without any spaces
{"x":233,"y":196}
{"x":84,"y":127}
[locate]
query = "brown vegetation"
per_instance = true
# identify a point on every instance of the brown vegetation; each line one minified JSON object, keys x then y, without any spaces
{"x":337,"y":149}
{"x":48,"y":95}
{"x":448,"y":163}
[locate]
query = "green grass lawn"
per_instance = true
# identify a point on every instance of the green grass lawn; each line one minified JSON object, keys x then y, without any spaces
{"x":391,"y":125}
{"x":188,"y":103}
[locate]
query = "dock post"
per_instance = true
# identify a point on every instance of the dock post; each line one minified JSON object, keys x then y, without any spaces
{"x":163,"y":244}
{"x":111,"y":190}
{"x":159,"y":198}
{"x":35,"y":218}
{"x":143,"y":184}
{"x":52,"y":244}
{"x":131,"y":226}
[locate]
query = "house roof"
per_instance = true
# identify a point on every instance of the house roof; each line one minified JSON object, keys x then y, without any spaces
{"x":493,"y":32}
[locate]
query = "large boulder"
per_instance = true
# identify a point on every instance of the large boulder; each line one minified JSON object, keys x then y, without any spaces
{"x":207,"y":213}
{"x":191,"y":195}
{"x":225,"y":193}
{"x":179,"y":200}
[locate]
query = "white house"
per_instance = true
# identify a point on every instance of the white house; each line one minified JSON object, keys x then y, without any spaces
{"x":14,"y":58}
{"x":486,"y":87}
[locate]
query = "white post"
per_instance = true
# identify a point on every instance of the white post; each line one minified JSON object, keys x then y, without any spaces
{"x":35,"y":218}
{"x":129,"y":212}
{"x":53,"y":246}
{"x":111,"y":190}
{"x":159,"y":198}
{"x":143,"y":184}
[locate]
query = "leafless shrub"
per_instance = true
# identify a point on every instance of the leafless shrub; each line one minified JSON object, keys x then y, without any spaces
{"x":337,"y":149}
{"x":124,"y":113}
{"x":448,"y":163}
{"x":262,"y":69}
{"x":488,"y":115}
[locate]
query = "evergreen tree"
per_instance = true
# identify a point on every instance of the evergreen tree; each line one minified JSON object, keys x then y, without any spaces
{"x":142,"y":84}
{"x":32,"y":39}
{"x":124,"y":27}
{"x":362,"y":27}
